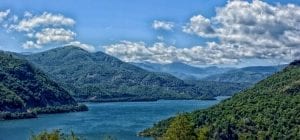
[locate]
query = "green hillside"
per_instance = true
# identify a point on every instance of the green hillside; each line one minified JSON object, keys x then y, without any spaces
{"x":269,"y":110}
{"x":25,"y":90}
{"x":101,"y":77}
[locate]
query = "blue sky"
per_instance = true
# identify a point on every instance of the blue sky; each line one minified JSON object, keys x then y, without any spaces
{"x":105,"y":22}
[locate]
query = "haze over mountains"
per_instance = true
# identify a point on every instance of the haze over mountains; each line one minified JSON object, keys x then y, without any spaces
{"x":183,"y":71}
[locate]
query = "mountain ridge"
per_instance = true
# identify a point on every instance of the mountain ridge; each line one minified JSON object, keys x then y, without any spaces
{"x":101,"y":77}
{"x":26,"y":90}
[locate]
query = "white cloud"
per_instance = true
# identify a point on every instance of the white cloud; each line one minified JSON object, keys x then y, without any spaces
{"x":162,"y":53}
{"x":86,"y":47}
{"x":49,"y":35}
{"x":30,"y":45}
{"x":4,"y":14}
{"x":29,"y":23}
{"x":257,"y":28}
{"x":163,"y":25}
{"x":27,"y":14}
{"x":244,"y":30}
{"x":199,"y":25}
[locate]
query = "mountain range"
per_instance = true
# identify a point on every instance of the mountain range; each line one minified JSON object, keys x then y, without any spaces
{"x":183,"y":71}
{"x":250,"y":75}
{"x":96,"y":76}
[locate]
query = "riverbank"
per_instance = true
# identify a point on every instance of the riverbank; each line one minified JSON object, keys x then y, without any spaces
{"x":140,"y":99}
{"x":33,"y":113}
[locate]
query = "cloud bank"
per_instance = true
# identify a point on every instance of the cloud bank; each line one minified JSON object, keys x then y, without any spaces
{"x":242,"y":30}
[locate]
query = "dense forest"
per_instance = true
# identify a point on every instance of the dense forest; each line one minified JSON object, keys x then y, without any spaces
{"x":100,"y":77}
{"x":268,"y":110}
{"x":26,"y":91}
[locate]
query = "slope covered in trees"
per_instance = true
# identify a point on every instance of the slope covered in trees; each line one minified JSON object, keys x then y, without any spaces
{"x":25,"y":90}
{"x":269,"y":110}
{"x":100,"y":77}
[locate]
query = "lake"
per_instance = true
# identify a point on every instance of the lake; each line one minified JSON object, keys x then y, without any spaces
{"x":122,"y":120}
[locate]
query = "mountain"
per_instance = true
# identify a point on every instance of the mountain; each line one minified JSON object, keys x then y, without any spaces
{"x":245,"y":75}
{"x":183,"y":71}
{"x":26,"y":91}
{"x":100,"y":77}
{"x":219,"y":88}
{"x":268,"y":110}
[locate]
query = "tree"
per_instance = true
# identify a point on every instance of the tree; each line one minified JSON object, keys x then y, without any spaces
{"x":180,"y":129}
{"x":203,"y":133}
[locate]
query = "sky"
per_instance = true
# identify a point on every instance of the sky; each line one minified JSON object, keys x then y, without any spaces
{"x":195,"y":32}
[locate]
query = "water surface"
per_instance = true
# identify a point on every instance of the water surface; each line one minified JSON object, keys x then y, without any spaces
{"x":122,"y":120}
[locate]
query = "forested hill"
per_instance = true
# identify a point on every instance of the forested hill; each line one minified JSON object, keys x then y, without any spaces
{"x":269,"y":110}
{"x":24,"y":88}
{"x":101,"y":77}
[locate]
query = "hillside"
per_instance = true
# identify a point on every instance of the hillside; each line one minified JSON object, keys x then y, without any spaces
{"x":183,"y":71}
{"x":245,"y":75}
{"x":269,"y":110}
{"x":25,"y":89}
{"x":219,"y":88}
{"x":101,"y":77}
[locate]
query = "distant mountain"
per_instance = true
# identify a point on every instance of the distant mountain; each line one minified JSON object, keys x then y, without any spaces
{"x":268,"y":110}
{"x":25,"y":90}
{"x":245,"y":75}
{"x":183,"y":71}
{"x":101,"y":77}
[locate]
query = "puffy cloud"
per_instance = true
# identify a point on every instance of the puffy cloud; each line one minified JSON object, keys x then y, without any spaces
{"x":199,"y":25}
{"x":30,"y":45}
{"x":162,"y":53}
{"x":212,"y":53}
{"x":4,"y":14}
{"x":46,"y":19}
{"x":257,"y":28}
{"x":163,"y":25}
{"x":49,"y":35}
{"x":86,"y":47}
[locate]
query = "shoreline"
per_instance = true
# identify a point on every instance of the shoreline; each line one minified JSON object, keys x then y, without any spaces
{"x":35,"y":112}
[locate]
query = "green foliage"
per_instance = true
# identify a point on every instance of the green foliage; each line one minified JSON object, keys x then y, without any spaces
{"x":180,"y":128}
{"x":100,"y":77}
{"x":268,"y":110}
{"x":24,"y":88}
{"x":203,"y":133}
{"x":54,"y":135}
{"x":219,"y":88}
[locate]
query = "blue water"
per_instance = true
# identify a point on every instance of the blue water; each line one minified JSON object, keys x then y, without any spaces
{"x":122,"y":120}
